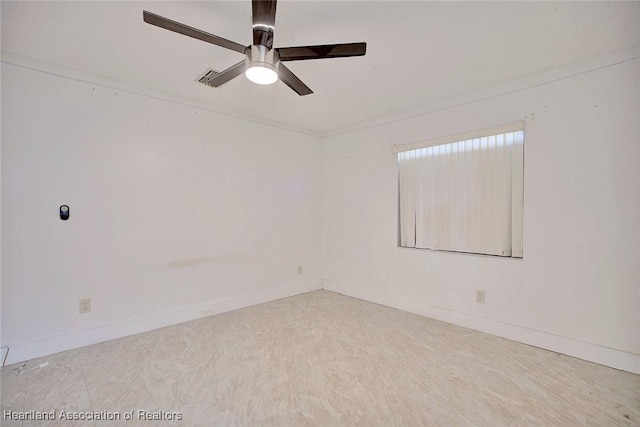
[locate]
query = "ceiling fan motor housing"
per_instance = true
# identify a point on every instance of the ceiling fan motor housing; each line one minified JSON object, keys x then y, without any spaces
{"x":261,"y":56}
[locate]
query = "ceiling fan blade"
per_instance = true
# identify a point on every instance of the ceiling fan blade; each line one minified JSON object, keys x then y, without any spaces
{"x":293,"y":81}
{"x":168,"y":24}
{"x":300,"y":53}
{"x":226,"y":75}
{"x":264,"y":21}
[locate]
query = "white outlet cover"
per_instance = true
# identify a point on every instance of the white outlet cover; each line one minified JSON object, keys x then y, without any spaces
{"x":85,"y":305}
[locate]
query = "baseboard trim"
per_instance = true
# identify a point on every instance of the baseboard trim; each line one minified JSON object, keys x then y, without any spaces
{"x":614,"y":358}
{"x":19,"y":352}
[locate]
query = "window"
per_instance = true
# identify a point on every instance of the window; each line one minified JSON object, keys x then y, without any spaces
{"x":463,"y":193}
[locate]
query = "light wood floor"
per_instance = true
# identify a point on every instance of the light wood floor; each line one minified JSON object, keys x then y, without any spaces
{"x":324,"y":359}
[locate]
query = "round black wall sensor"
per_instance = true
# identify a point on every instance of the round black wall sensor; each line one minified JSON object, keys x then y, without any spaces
{"x":64,"y":212}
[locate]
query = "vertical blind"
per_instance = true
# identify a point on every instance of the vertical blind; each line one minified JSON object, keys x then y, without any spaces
{"x":464,"y":196}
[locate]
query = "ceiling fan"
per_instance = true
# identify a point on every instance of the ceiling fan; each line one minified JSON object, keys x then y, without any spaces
{"x":262,"y":63}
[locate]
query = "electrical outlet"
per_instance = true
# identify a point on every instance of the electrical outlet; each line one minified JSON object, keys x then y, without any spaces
{"x":480,"y":296}
{"x":299,"y":269}
{"x":85,"y":305}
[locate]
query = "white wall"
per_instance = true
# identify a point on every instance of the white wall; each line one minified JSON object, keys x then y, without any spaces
{"x":577,"y":290}
{"x":176,"y":212}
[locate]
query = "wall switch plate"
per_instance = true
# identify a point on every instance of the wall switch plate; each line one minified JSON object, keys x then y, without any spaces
{"x":299,"y":269}
{"x":85,"y":305}
{"x":480,"y":296}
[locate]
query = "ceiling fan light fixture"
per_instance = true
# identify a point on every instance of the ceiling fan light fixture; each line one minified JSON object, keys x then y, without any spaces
{"x":262,"y":65}
{"x":262,"y":73}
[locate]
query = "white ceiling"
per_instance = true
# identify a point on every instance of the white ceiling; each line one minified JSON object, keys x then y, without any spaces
{"x":418,"y":52}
